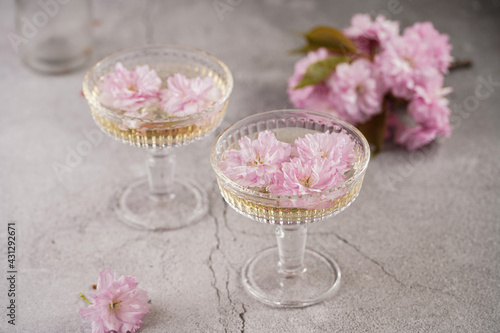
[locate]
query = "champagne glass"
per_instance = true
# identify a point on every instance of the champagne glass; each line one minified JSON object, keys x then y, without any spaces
{"x":163,"y":201}
{"x":290,"y":275}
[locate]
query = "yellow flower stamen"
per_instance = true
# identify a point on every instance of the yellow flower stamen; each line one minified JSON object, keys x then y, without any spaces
{"x":115,"y":305}
{"x":132,"y":88}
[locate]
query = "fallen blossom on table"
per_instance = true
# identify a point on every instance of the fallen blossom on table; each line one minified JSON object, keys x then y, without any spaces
{"x":118,"y":305}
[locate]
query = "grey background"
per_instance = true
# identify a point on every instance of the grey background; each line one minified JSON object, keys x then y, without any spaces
{"x":419,"y":249}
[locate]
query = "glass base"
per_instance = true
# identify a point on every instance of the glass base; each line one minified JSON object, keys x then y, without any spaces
{"x":263,"y":280}
{"x":61,"y":65}
{"x":186,"y":205}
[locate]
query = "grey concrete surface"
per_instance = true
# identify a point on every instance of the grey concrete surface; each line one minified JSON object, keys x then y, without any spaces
{"x":419,"y":249}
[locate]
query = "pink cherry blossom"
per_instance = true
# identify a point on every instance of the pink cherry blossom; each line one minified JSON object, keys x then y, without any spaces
{"x":312,"y":176}
{"x":429,"y":107}
{"x":336,"y":147}
{"x":184,"y":96}
{"x":356,"y":93}
{"x":412,"y":59}
{"x":404,"y":65}
{"x":312,"y":97}
{"x":429,"y":110}
{"x":118,"y":306}
{"x":130,"y":90}
{"x":414,"y":137}
{"x":436,"y":44}
{"x":370,"y":35}
{"x":257,"y":161}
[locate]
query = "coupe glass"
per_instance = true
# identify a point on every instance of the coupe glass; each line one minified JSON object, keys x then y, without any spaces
{"x":162,"y":201}
{"x":290,"y":275}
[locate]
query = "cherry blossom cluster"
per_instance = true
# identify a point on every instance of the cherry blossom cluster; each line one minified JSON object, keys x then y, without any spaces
{"x":315,"y":163}
{"x":408,"y":67}
{"x":137,"y":91}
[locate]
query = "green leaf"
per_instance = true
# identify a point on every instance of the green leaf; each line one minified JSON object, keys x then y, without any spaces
{"x":374,"y":129}
{"x":320,"y":70}
{"x":331,"y":38}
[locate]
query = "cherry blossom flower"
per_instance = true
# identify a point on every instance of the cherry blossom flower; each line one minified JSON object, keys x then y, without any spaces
{"x":436,"y":44}
{"x":312,"y":97}
{"x":130,"y":90}
{"x":430,"y":107}
{"x":429,"y":110}
{"x":370,"y":35}
{"x":355,"y":92}
{"x":336,"y":147}
{"x":312,"y":176}
{"x":410,"y":60}
{"x":185,"y":96}
{"x":118,"y":306}
{"x":414,"y":137}
{"x":404,"y":66}
{"x":407,"y":68}
{"x":257,"y":161}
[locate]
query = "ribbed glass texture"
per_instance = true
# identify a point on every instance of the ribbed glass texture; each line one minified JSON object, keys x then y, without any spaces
{"x":166,"y":60}
{"x":289,"y":210}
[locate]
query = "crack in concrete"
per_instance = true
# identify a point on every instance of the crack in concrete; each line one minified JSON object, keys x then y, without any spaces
{"x":414,"y":285}
{"x":370,"y":259}
{"x":217,"y":248}
{"x":242,"y":317}
{"x":241,"y":314}
{"x":210,"y":263}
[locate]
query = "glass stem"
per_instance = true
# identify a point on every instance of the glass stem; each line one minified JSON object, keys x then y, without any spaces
{"x":291,"y":248}
{"x":160,"y":167}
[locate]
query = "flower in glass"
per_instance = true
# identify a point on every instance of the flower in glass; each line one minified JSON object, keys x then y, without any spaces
{"x":118,"y":306}
{"x":336,"y":147}
{"x":257,"y":161}
{"x":185,"y":96}
{"x":130,"y":90}
{"x":312,"y":97}
{"x":302,"y":177}
{"x":356,"y":93}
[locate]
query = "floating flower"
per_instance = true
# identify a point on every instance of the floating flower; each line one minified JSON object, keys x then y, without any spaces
{"x":355,"y":92}
{"x":130,"y":90}
{"x":257,"y":161}
{"x":370,"y":35}
{"x":302,"y":177}
{"x":118,"y":306}
{"x":312,"y":97}
{"x":336,"y":147}
{"x":185,"y":96}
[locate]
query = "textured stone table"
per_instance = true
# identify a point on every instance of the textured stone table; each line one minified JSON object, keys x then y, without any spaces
{"x":419,"y":249}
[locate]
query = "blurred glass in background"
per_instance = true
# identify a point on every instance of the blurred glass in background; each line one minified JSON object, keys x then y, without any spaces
{"x":53,"y":36}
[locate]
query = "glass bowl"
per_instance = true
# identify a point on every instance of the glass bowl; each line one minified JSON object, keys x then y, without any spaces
{"x":162,"y":201}
{"x":289,"y":275}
